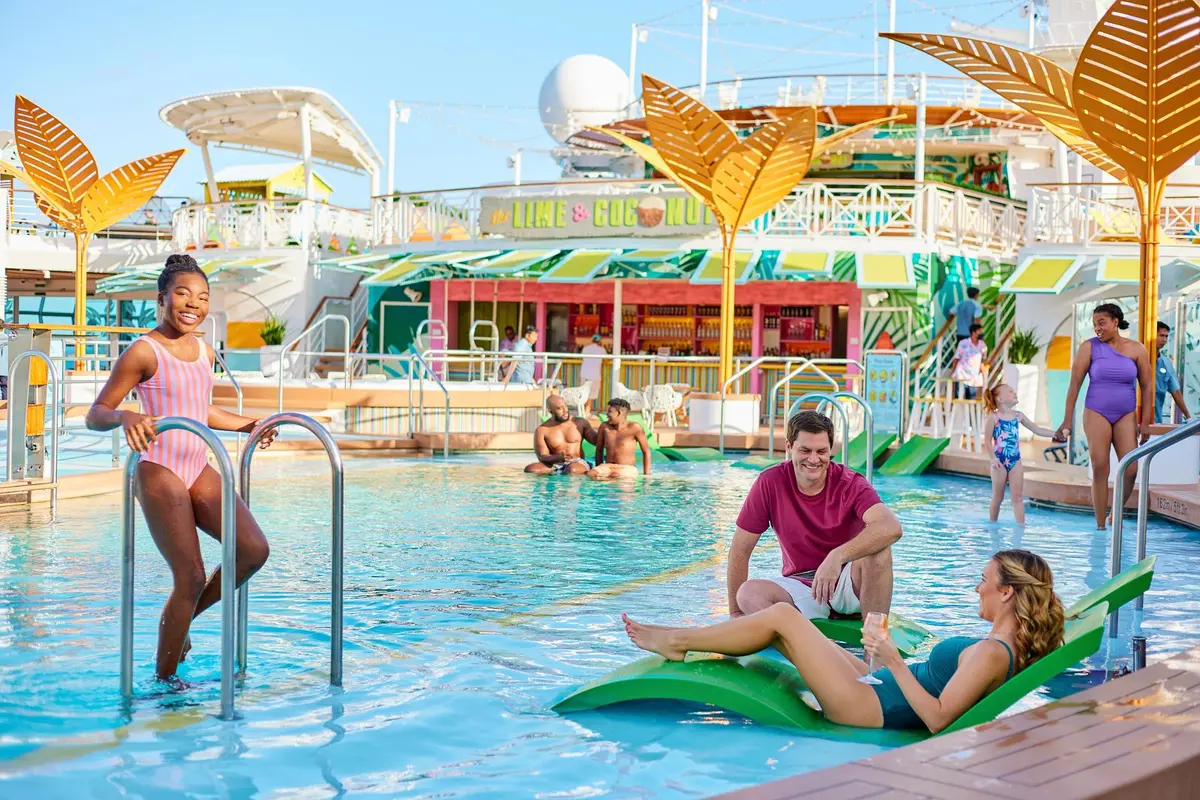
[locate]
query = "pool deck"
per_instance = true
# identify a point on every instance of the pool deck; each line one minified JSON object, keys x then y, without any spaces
{"x":1133,"y":737}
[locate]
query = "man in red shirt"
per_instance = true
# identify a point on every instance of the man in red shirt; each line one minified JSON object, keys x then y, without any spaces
{"x":835,"y":532}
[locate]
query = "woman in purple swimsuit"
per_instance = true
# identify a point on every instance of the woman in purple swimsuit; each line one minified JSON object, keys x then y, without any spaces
{"x":1115,"y":367}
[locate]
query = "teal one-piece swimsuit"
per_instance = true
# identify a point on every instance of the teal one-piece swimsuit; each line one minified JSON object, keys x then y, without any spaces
{"x":933,"y":675}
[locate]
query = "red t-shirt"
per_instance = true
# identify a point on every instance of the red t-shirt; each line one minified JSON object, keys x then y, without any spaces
{"x":808,"y":527}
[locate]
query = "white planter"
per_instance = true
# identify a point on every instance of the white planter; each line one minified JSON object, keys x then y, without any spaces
{"x":269,"y":358}
{"x":1027,"y":384}
{"x":742,"y":412}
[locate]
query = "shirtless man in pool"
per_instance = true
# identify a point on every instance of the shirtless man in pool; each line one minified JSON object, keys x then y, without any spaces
{"x":558,"y":442}
{"x":617,"y":443}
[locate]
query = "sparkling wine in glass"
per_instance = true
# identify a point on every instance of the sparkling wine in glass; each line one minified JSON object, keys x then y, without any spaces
{"x":876,"y":623}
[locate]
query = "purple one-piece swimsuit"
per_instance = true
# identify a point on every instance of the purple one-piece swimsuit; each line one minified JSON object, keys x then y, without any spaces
{"x":1112,"y":385}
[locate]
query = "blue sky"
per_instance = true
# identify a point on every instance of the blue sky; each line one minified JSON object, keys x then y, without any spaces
{"x":106,"y":68}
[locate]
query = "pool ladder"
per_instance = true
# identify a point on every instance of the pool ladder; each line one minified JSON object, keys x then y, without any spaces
{"x":234,"y":615}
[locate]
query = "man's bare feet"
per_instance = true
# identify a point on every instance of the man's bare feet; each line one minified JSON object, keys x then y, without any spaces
{"x":651,"y":639}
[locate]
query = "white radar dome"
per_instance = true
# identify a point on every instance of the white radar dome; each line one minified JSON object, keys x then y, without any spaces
{"x":582,"y":90}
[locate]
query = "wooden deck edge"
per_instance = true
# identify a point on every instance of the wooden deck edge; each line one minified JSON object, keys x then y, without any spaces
{"x":1135,"y":736}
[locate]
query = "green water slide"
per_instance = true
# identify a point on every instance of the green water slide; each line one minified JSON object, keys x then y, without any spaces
{"x":759,"y":462}
{"x":771,"y":692}
{"x":914,"y":456}
{"x":692,"y":454}
{"x":858,"y":454}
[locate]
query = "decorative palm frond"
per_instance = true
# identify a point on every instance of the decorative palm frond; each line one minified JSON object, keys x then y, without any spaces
{"x":763,"y":168}
{"x":639,"y":148}
{"x":58,"y":163}
{"x":122,"y":191}
{"x":689,"y":136}
{"x":1136,"y":86}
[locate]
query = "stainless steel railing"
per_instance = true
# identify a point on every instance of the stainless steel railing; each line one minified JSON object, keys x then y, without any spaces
{"x":296,"y":340}
{"x":425,"y":366}
{"x":228,"y":558}
{"x":16,"y":438}
{"x":832,"y":400}
{"x":724,"y":390}
{"x":1144,"y":453}
{"x":786,"y":381}
{"x":337,"y":527}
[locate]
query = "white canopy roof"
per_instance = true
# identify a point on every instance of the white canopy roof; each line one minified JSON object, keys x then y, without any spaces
{"x":268,"y":121}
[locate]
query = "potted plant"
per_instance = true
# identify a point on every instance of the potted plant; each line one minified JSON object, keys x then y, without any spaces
{"x":1022,"y":374}
{"x":270,"y":354}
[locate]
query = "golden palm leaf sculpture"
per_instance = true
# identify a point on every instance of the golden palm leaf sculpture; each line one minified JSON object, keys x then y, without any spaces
{"x":62,"y":173}
{"x":738,"y":179}
{"x":1132,"y":106}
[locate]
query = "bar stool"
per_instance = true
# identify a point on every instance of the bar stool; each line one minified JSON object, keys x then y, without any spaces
{"x":965,"y":425}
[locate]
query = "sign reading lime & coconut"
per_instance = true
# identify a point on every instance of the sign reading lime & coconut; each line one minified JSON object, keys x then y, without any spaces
{"x":580,"y":216}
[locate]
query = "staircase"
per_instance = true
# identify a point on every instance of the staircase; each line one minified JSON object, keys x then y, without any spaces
{"x":323,"y":365}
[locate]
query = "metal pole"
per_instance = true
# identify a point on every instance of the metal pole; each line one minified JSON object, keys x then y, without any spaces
{"x":919,"y":168}
{"x":306,"y":149}
{"x":704,"y":6}
{"x":410,"y":403}
{"x":651,"y":398}
{"x":1139,"y":651}
{"x":16,"y":437}
{"x":868,"y":426}
{"x":633,"y":43}
{"x":1032,"y":22}
{"x":391,"y":181}
{"x":214,"y":194}
{"x":337,"y":528}
{"x":1143,"y":516}
{"x":888,"y":87}
{"x":228,"y":560}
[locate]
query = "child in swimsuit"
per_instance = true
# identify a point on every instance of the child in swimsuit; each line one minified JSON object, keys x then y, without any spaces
{"x":1003,"y":424}
{"x":171,"y":368}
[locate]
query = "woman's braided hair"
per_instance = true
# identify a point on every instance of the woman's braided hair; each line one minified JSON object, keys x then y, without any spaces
{"x":1037,"y":608}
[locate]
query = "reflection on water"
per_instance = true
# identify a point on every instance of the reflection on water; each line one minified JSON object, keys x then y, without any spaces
{"x":475,"y":597}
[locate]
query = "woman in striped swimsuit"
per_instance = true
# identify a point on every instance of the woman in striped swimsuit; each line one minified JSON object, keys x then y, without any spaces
{"x":172,"y":371}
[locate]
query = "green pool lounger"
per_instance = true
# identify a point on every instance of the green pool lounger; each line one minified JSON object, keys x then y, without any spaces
{"x":907,"y":635}
{"x":759,"y":462}
{"x":692,"y":454}
{"x":771,"y":692}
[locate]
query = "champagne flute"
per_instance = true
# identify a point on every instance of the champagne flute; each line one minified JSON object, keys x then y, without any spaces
{"x":876,"y":623}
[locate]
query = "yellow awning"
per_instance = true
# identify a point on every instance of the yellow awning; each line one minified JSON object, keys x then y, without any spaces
{"x":651,"y":256}
{"x":1043,"y":275}
{"x":455,"y":256}
{"x":792,"y":262}
{"x":1118,"y":269}
{"x":395,"y":273}
{"x":513,"y":261}
{"x":709,"y":268}
{"x":884,"y":271}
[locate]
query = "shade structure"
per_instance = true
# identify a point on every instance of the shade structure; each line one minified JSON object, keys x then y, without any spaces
{"x":795,"y":262}
{"x":709,"y":268}
{"x":1043,"y":274}
{"x":884,"y":270}
{"x":368,"y":263}
{"x":580,"y":266}
{"x":143,"y":277}
{"x":510,"y":263}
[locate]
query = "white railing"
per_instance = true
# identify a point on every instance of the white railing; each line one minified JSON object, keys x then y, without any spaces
{"x":1088,"y":213}
{"x":930,"y":211}
{"x":20,"y":215}
{"x":268,"y":223}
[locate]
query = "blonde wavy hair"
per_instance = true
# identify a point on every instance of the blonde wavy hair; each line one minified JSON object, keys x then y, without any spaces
{"x":989,"y":398}
{"x":1037,"y":608}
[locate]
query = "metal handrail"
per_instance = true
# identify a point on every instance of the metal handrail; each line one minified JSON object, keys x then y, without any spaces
{"x":868,"y":426}
{"x":13,"y":436}
{"x":445,"y":391}
{"x":493,"y":337}
{"x":237,"y":387}
{"x":832,"y":400}
{"x":295,"y":340}
{"x":228,"y":558}
{"x":787,"y":379}
{"x":1147,"y":452}
{"x":337,"y":527}
{"x":724,"y":389}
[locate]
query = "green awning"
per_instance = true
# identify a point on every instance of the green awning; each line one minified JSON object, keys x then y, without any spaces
{"x":401,"y":271}
{"x":581,"y":266}
{"x":144,"y":277}
{"x":454,"y":257}
{"x":884,"y":271}
{"x":510,"y":263}
{"x":368,"y":263}
{"x":709,"y":268}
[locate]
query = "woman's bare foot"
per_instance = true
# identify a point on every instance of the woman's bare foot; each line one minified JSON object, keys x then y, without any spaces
{"x":651,"y":639}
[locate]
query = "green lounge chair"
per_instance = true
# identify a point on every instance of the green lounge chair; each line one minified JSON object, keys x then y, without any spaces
{"x":771,"y":692}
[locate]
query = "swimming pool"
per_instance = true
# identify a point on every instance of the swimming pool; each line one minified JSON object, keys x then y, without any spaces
{"x":476,"y":596}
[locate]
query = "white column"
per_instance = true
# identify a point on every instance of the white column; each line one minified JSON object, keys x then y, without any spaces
{"x":214,"y":194}
{"x":617,"y":320}
{"x":633,"y":43}
{"x":919,"y":167}
{"x":703,"y":48}
{"x":374,"y":173}
{"x":888,"y":87}
{"x":1032,"y":22}
{"x":306,"y":149}
{"x":391,"y":182}
{"x":1060,"y":162}
{"x":515,"y":163}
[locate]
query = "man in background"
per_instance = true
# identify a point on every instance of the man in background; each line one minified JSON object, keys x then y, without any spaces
{"x":967,"y":313}
{"x":591,"y":369}
{"x":520,"y":368}
{"x":967,"y":367}
{"x":1166,"y":379}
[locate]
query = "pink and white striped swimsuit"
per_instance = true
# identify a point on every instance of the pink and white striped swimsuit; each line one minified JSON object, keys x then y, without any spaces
{"x":178,"y":389}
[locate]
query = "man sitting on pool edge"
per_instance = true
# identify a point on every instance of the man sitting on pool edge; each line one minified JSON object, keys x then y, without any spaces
{"x":834,"y":531}
{"x":558,"y":442}
{"x":617,"y":442}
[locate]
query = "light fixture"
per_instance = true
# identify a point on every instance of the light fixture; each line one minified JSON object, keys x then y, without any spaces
{"x":876,"y":298}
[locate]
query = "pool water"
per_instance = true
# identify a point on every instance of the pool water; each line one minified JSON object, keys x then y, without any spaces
{"x":476,"y":596}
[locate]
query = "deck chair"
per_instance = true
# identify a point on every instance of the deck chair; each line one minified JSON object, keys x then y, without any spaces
{"x":771,"y":692}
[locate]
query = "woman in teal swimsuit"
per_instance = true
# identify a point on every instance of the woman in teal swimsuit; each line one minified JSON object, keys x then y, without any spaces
{"x":1016,"y":595}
